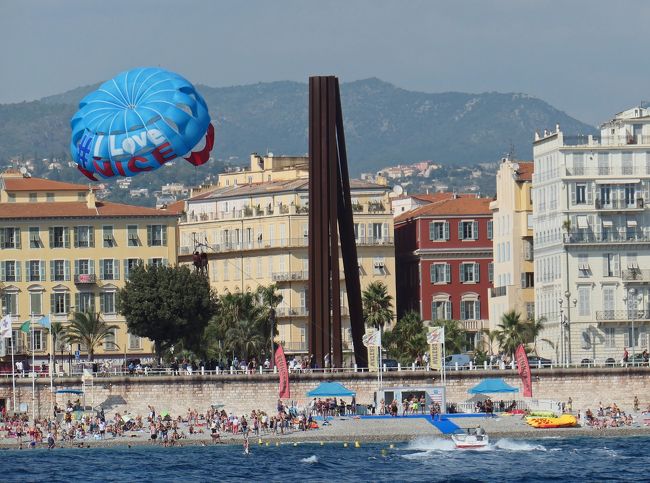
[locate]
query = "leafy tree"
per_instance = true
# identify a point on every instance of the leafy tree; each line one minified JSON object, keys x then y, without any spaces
{"x":407,"y":339}
{"x":89,"y":330}
{"x":167,"y":304}
{"x":512,"y":332}
{"x":377,"y":305}
{"x":455,"y":335}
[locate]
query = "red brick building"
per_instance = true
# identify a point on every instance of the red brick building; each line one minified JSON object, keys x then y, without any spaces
{"x":444,"y":261}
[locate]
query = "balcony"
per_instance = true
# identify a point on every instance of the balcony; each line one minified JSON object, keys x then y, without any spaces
{"x":622,"y":315}
{"x":291,"y":312}
{"x":498,"y":291}
{"x":636,"y":275}
{"x":290,"y":276}
{"x":594,"y":171}
{"x":619,"y":205}
{"x":475,"y":325}
{"x":375,"y":241}
{"x":293,"y":346}
{"x":587,"y":238}
{"x":85,"y":279}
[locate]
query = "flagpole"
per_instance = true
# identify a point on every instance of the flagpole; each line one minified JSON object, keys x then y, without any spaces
{"x":52,"y":364}
{"x":31,"y":322}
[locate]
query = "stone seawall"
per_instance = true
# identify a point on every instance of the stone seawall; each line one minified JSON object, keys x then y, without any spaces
{"x":242,"y":393}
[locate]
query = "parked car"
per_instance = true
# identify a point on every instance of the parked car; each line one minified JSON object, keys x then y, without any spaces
{"x":389,"y":364}
{"x":537,"y":361}
{"x":462,"y":360}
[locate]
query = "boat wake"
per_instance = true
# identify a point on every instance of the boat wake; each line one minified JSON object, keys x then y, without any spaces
{"x":428,"y":447}
{"x":512,"y":445}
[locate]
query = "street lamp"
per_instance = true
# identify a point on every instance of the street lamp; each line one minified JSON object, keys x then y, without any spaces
{"x":564,"y":325}
{"x":631,"y":300}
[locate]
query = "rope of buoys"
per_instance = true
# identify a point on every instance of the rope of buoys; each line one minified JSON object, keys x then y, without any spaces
{"x":357,"y":444}
{"x":345,"y":445}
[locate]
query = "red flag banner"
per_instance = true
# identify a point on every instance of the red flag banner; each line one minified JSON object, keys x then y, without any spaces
{"x":524,"y":370}
{"x":281,"y":364}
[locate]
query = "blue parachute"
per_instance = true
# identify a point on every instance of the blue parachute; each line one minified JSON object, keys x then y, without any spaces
{"x":138,"y":121}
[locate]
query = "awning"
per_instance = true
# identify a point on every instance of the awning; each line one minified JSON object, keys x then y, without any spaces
{"x":618,"y":181}
{"x":583,"y":223}
{"x":331,"y":389}
{"x":608,"y":223}
{"x":492,"y":385}
{"x":631,"y":223}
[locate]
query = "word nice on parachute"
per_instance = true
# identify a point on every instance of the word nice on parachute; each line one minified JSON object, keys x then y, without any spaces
{"x":138,"y":121}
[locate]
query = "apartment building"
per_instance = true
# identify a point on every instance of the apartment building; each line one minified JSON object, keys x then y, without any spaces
{"x":592,"y":240}
{"x":62,"y":250}
{"x":444,"y":262}
{"x":253,"y":226}
{"x":512,"y":213}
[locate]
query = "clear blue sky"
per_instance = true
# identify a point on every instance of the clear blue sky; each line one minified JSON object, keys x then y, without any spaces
{"x":587,"y":58}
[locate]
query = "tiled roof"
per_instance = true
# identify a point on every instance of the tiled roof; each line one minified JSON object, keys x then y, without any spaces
{"x":41,"y":184}
{"x":445,"y":195}
{"x":451,"y":207}
{"x":76,"y":209}
{"x":525,"y":170}
{"x":177,"y":207}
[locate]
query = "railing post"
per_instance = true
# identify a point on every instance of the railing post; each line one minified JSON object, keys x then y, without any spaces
{"x":203,"y":370}
{"x":355,"y":367}
{"x":413,"y":366}
{"x":471,"y":365}
{"x":485,"y":365}
{"x":261,"y":370}
{"x":456,"y":365}
{"x":232,"y":369}
{"x":512,"y":365}
{"x":275,"y":369}
{"x":384,"y":368}
{"x":399,"y":366}
{"x":216,"y":370}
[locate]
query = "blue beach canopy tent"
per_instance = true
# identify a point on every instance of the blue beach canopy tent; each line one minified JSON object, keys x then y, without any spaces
{"x":331,"y":389}
{"x":492,"y":385}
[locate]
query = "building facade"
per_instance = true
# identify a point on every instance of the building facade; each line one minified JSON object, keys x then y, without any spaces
{"x":513,"y":243}
{"x":253,"y":226}
{"x":592,"y":240}
{"x":63,"y":251}
{"x":444,"y":260}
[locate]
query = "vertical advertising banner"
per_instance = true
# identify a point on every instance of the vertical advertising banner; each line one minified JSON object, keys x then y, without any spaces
{"x":435,"y":339}
{"x":524,"y":370}
{"x":372,"y":340}
{"x":283,"y":370}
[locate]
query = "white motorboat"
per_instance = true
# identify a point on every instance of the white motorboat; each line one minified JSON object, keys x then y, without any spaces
{"x":472,"y":438}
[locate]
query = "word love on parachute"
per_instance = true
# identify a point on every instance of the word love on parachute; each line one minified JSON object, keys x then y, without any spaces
{"x":138,"y":121}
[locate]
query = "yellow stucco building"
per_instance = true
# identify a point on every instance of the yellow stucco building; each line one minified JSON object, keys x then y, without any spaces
{"x":513,"y":242}
{"x":253,"y":225}
{"x":62,"y":250}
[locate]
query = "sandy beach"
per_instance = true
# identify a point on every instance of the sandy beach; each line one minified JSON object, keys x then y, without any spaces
{"x":363,"y":430}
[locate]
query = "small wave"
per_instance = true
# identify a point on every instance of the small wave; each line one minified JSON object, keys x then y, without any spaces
{"x":511,"y":445}
{"x":313,"y":459}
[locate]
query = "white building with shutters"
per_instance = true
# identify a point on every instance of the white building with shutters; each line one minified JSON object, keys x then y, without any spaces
{"x":592,"y":240}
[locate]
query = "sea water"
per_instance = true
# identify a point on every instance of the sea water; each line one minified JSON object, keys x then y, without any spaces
{"x":423,"y":459}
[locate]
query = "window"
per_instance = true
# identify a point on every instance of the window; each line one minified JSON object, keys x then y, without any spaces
{"x":611,"y":265}
{"x":440,"y":310}
{"x":109,"y":239}
{"x":135,"y":342}
{"x":470,"y":310}
{"x":49,"y":197}
{"x":438,"y":231}
{"x":110,"y":340}
{"x":610,"y":337}
{"x":468,"y":230}
{"x":10,"y":271}
{"x":527,"y":279}
{"x":33,"y":197}
{"x":605,"y":195}
{"x":130,"y":264}
{"x":491,"y":272}
{"x":38,"y":341}
{"x":530,"y":310}
{"x":630,"y":195}
{"x":469,"y":272}
{"x":581,"y":193}
{"x":9,"y":237}
{"x":109,"y":269}
{"x":157,"y":235}
{"x":132,"y":236}
{"x":440,"y":273}
{"x":379,"y":266}
{"x":34,"y":237}
{"x":59,"y":270}
{"x":60,"y":303}
{"x":35,"y":270}
{"x":84,"y":236}
{"x":81,"y":196}
{"x":584,"y":270}
{"x":158,"y":262}
{"x":84,"y":267}
{"x":490,"y":229}
{"x":528,"y":249}
{"x":36,"y":303}
{"x":59,"y":237}
{"x":584,"y":303}
{"x":10,"y":301}
{"x":603,"y":164}
{"x":85,"y":302}
{"x":11,"y":197}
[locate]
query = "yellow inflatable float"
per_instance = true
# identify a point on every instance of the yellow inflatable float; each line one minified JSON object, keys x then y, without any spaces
{"x":564,"y":421}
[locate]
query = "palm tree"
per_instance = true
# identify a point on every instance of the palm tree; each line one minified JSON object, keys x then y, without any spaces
{"x":533,"y":329}
{"x":512,"y":332}
{"x":58,"y":334}
{"x":270,"y":300}
{"x":244,"y":338}
{"x":89,"y":330}
{"x":455,"y":335}
{"x":377,"y":305}
{"x":408,"y":338}
{"x":491,"y":336}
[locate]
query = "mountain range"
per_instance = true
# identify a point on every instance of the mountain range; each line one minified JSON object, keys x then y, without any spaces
{"x":384,"y":124}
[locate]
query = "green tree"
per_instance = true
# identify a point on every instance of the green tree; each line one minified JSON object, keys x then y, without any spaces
{"x":455,"y":336}
{"x":89,"y":330}
{"x":168,"y":304}
{"x":377,"y":305}
{"x":512,"y":332}
{"x":270,"y":299}
{"x":58,"y":335}
{"x":407,"y":339}
{"x":244,"y":338}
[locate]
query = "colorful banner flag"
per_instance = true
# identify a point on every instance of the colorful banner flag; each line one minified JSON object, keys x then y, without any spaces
{"x":524,"y":370}
{"x":45,"y":322}
{"x":5,"y":327}
{"x":26,"y":326}
{"x":372,"y":337}
{"x":436,"y":335}
{"x":283,"y":370}
{"x":435,"y":339}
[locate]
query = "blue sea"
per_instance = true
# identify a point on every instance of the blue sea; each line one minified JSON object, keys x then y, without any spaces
{"x":551,"y":459}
